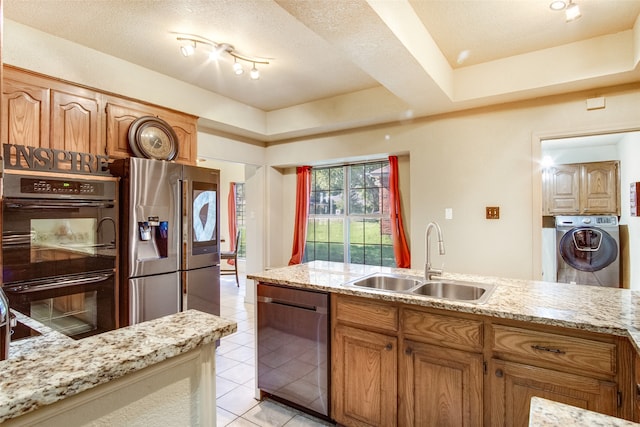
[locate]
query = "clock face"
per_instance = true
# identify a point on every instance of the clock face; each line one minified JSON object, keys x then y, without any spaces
{"x":155,"y":143}
{"x":153,"y":138}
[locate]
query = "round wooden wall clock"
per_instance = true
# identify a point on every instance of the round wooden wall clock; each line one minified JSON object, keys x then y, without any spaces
{"x":153,"y":138}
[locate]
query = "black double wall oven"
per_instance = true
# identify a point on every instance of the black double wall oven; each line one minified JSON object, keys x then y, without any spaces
{"x":59,"y":251}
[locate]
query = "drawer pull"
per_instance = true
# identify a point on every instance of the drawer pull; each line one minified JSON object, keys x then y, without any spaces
{"x":499,"y":373}
{"x":549,"y":349}
{"x":408,"y":351}
{"x":389,"y":346}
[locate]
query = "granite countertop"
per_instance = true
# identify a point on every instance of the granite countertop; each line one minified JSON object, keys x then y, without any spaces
{"x":606,"y":310}
{"x":546,"y":413}
{"x":50,"y":367}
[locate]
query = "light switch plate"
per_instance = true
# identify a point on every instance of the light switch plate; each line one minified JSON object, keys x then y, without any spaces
{"x":448,"y":213}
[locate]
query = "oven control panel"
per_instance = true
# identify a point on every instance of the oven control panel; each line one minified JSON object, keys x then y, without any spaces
{"x":59,"y":186}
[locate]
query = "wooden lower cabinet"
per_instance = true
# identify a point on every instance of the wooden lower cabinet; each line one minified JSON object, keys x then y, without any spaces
{"x":364,"y":366}
{"x":397,"y":364}
{"x":439,"y":386}
{"x":513,"y":385}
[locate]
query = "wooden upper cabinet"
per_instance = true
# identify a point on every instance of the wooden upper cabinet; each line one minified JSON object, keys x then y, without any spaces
{"x":74,"y":122}
{"x":41,"y":111}
{"x":563,"y":190}
{"x":599,"y":192}
{"x":121,"y":113}
{"x":25,"y":113}
{"x":186,"y":130}
{"x":583,"y":189}
{"x":119,"y":118}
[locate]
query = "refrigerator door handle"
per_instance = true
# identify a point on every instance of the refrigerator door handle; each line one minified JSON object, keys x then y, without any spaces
{"x":134,"y":304}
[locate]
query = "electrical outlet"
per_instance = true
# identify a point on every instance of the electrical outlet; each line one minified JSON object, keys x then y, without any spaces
{"x":493,"y":212}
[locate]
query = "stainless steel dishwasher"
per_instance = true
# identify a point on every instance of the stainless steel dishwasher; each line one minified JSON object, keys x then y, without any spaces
{"x":293,"y":347}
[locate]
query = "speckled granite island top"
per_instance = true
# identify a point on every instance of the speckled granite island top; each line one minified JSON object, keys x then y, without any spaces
{"x":51,"y":367}
{"x":590,"y":308}
{"x":546,"y":413}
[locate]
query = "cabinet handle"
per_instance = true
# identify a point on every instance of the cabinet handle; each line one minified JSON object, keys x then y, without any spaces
{"x":638,"y":390}
{"x":389,"y":346}
{"x":499,"y":373}
{"x":408,"y":351}
{"x":549,"y":349}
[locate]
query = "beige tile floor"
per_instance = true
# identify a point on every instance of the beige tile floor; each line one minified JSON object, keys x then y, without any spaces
{"x":235,"y":369}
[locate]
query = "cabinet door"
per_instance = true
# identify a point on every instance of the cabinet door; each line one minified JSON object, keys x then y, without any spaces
{"x":25,"y":114}
{"x":599,"y":190}
{"x":513,"y":385}
{"x":185,"y":129}
{"x":120,"y":115}
{"x":563,"y":190}
{"x":364,"y":366}
{"x":119,"y":118}
{"x":74,"y":122}
{"x":440,"y":386}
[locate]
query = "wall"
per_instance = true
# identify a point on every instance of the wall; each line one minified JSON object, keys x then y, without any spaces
{"x":466,"y":161}
{"x":627,"y":151}
{"x":629,"y":148}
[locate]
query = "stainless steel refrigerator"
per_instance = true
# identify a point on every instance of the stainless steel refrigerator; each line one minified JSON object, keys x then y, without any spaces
{"x":170,"y":259}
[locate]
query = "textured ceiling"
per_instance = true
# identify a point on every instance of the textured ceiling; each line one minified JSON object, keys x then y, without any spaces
{"x":494,"y":29}
{"x":321,"y":48}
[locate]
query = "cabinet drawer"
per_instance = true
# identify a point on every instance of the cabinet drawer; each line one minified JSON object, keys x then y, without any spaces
{"x":443,"y":330}
{"x":561,"y":350}
{"x":366,"y":312}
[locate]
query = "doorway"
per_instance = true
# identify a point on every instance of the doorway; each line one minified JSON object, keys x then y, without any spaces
{"x":621,"y":146}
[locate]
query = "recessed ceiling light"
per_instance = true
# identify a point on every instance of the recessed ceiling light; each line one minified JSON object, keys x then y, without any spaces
{"x":557,"y":5}
{"x":462,"y":56}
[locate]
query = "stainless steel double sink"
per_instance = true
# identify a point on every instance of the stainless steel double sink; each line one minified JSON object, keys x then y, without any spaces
{"x":448,"y":289}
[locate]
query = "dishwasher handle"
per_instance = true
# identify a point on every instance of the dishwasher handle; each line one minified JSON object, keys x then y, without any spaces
{"x":314,"y":308}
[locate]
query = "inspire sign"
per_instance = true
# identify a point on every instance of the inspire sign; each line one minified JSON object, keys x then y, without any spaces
{"x":52,"y":160}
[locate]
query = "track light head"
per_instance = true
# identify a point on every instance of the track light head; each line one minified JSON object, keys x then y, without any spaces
{"x":254,"y":73}
{"x":187,"y":47}
{"x":237,"y":67}
{"x":573,"y":12}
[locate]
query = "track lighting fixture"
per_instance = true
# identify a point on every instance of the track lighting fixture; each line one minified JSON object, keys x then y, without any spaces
{"x":189,"y":42}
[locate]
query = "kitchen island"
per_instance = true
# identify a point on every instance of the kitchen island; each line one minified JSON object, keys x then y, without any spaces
{"x":576,"y":343}
{"x":160,"y":372}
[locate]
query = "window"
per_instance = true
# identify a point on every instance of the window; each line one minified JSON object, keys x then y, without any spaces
{"x":241,"y":205}
{"x":349,"y":215}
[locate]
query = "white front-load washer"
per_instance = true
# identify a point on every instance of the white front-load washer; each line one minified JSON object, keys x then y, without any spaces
{"x":588,"y":250}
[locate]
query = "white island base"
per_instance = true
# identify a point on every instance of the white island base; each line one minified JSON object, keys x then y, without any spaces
{"x":177,"y":392}
{"x":158,"y":373}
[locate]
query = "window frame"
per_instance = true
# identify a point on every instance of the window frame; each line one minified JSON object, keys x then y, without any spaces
{"x":385,"y":249}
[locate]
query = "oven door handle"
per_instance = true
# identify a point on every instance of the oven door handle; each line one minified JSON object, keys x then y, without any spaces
{"x":54,"y":204}
{"x":40,"y":286}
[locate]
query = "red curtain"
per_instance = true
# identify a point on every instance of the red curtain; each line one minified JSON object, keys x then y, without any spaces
{"x":233,"y":229}
{"x":303,"y":193}
{"x":400,"y":247}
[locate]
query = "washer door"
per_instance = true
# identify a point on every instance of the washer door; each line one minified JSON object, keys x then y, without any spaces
{"x":588,"y":248}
